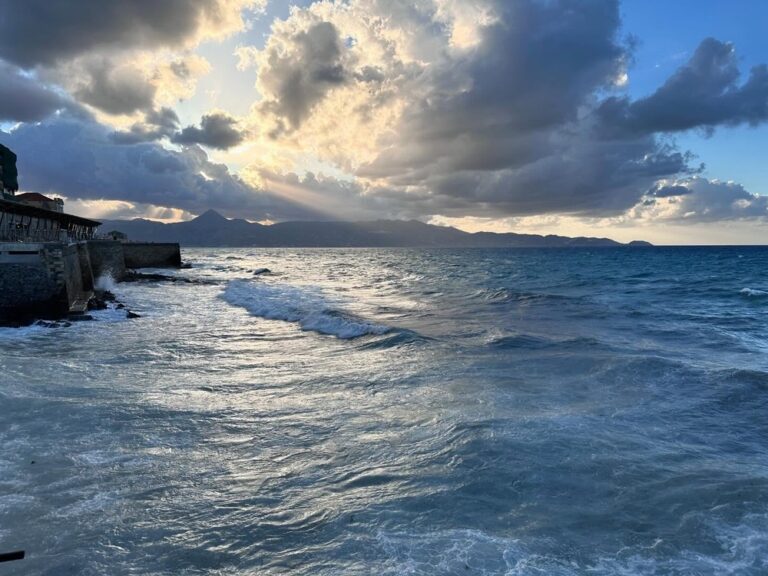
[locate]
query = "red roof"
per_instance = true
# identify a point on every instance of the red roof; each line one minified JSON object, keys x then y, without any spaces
{"x":32,"y":197}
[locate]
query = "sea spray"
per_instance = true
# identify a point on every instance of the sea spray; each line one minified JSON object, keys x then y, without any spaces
{"x":105,"y":283}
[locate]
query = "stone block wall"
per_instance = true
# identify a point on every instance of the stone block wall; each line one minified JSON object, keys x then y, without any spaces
{"x":31,"y":279}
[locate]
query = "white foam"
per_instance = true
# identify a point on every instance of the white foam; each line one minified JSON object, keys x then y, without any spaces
{"x":751,"y":292}
{"x":743,"y":548}
{"x":305,"y":306}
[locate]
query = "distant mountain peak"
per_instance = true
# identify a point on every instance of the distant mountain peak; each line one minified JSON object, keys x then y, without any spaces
{"x":210,"y":216}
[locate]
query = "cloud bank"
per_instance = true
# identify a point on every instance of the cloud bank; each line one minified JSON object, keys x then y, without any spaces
{"x":371,"y":108}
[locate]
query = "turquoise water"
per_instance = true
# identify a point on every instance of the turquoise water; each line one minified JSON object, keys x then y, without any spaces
{"x":582,"y":411}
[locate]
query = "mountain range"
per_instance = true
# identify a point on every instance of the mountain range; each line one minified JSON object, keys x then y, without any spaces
{"x":212,"y":229}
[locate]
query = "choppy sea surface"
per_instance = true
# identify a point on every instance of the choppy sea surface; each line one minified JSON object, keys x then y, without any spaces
{"x":399,"y":412}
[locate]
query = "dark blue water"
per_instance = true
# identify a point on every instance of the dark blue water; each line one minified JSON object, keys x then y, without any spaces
{"x":600,"y":411}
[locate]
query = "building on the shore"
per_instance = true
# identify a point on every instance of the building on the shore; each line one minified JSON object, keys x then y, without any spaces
{"x":9,"y":183}
{"x":39,"y":201}
{"x":21,"y":222}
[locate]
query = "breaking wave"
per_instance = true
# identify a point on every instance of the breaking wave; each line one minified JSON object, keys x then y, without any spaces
{"x":304,"y":306}
{"x":752,"y":293}
{"x":105,"y":282}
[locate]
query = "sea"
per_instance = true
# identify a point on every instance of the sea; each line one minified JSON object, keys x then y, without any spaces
{"x":583,"y":411}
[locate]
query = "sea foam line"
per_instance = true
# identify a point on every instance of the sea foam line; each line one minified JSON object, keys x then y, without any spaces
{"x":304,"y":306}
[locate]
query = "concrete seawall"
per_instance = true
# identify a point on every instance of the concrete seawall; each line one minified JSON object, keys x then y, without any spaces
{"x":56,"y":278}
{"x":151,"y":255}
{"x":107,"y":258}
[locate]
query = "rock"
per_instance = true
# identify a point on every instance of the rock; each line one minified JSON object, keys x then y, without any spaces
{"x":97,"y":303}
{"x":81,"y":318}
{"x":52,"y":323}
{"x":132,"y":315}
{"x":259,"y":271}
{"x":154,"y":277}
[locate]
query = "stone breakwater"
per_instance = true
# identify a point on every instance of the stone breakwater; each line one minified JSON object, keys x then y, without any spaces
{"x":54,"y":279}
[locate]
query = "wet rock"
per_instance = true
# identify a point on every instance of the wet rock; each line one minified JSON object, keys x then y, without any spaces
{"x":101,"y":300}
{"x":96,"y":303}
{"x":132,"y":315}
{"x":81,"y":318}
{"x":154,"y":277}
{"x":53,"y":323}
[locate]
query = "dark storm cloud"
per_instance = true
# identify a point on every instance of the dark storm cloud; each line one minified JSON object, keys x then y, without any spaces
{"x":25,"y":99}
{"x":576,"y":175}
{"x":704,"y":93}
{"x":668,"y":191}
{"x":299,"y":79}
{"x":93,"y":168}
{"x":157,"y":124}
{"x":216,"y":130}
{"x":115,"y":91}
{"x":514,"y":142}
{"x":43,"y":32}
{"x":523,"y":138}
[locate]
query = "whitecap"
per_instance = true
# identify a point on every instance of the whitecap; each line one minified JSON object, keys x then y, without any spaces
{"x":752,"y":293}
{"x":304,"y":306}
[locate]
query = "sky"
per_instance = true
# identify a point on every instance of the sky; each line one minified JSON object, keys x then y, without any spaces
{"x":634,"y":119}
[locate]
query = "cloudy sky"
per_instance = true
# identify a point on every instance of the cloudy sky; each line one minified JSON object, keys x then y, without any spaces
{"x":634,"y":119}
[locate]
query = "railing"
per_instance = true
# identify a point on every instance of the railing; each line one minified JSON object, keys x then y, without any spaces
{"x":22,"y":235}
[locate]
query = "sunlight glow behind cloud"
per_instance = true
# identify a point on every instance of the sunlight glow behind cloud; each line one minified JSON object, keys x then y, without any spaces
{"x":479,"y":113}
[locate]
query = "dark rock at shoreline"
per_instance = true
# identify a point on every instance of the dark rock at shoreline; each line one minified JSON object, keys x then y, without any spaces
{"x":53,"y":323}
{"x":97,"y":304}
{"x":81,"y":318}
{"x":100,"y":300}
{"x":132,"y":276}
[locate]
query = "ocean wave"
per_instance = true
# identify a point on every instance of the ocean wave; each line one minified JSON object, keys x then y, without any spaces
{"x":304,"y":306}
{"x":530,"y":342}
{"x":742,"y":549}
{"x":752,"y":293}
{"x":395,"y":339}
{"x":504,"y":295}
